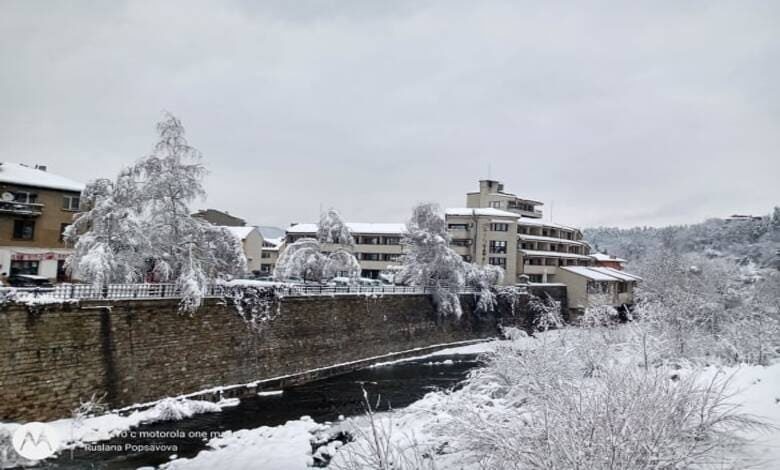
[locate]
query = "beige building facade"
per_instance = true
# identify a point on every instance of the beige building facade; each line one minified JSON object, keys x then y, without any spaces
{"x":35,"y":208}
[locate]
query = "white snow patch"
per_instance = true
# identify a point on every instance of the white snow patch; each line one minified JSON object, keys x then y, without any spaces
{"x":285,"y":447}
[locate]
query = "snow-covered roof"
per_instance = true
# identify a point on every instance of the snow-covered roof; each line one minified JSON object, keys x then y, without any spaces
{"x":241,"y":232}
{"x":274,"y":242}
{"x":606,"y":257}
{"x":553,"y":254}
{"x":355,"y":228}
{"x":486,"y":211}
{"x":14,"y":173}
{"x":601,"y":274}
{"x":539,"y":223}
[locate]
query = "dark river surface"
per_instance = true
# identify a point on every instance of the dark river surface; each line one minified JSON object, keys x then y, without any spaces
{"x":398,"y":384}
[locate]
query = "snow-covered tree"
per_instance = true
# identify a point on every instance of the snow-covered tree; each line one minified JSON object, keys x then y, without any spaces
{"x":305,"y":260}
{"x":140,"y":224}
{"x":108,"y":237}
{"x":430,"y":261}
{"x":333,"y":229}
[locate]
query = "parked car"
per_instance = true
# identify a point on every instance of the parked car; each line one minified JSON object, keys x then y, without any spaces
{"x":29,"y":280}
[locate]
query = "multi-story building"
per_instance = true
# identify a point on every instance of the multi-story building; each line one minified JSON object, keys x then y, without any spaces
{"x":491,"y":194}
{"x":270,"y":254}
{"x":485,"y":236}
{"x":377,"y":247}
{"x":35,"y":208}
{"x":252,"y":242}
{"x":505,"y":230}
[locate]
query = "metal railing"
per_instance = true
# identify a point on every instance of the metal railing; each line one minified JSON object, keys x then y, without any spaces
{"x":171,"y":291}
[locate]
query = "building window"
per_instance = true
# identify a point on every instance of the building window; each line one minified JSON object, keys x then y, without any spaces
{"x":622,"y":288}
{"x":466,"y":258}
{"x":265,"y":268}
{"x":369,"y":240}
{"x":63,"y":227}
{"x":392,"y":240}
{"x":23,"y":267}
{"x":265,"y":254}
{"x":497,"y":246}
{"x":499,"y":227}
{"x":460,"y":242}
{"x":25,"y":197}
{"x":495,"y":261}
{"x":495,"y":204}
{"x":24,"y":229}
{"x":535,"y":278}
{"x":390,"y":256}
{"x":457,"y":226}
{"x":370,"y":257}
{"x":71,"y":203}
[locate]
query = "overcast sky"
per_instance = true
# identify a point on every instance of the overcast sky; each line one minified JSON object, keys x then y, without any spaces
{"x":612,"y":113}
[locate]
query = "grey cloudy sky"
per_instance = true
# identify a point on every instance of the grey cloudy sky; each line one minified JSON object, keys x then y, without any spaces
{"x":622,"y":113}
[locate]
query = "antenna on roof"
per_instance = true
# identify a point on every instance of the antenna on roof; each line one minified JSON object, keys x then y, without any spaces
{"x":552,"y":205}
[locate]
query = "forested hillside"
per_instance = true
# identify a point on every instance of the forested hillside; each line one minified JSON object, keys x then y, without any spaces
{"x":742,"y":240}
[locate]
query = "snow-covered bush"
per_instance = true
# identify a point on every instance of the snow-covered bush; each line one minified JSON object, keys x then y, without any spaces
{"x":430,"y":261}
{"x":546,"y":312}
{"x":554,"y":407}
{"x":139,"y":227}
{"x":255,"y":304}
{"x":375,"y":447}
{"x":485,"y":279}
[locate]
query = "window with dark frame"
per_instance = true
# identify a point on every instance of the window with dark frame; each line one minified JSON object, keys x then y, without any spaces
{"x":499,"y":227}
{"x":498,"y":246}
{"x":24,"y":229}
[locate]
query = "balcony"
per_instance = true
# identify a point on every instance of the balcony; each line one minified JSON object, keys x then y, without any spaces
{"x":20,"y":208}
{"x":535,"y":214}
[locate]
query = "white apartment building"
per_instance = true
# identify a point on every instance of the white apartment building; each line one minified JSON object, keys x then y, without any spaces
{"x":496,"y":228}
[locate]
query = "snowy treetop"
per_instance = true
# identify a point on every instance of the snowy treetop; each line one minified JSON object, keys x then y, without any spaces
{"x":15,"y":173}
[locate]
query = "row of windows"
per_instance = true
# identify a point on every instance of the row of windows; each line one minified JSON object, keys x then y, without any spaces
{"x":377,"y":256}
{"x":378,"y":240}
{"x":70,"y":203}
{"x":24,"y":229}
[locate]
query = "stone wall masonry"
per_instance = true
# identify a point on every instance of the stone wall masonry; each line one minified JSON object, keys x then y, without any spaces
{"x":143,"y":350}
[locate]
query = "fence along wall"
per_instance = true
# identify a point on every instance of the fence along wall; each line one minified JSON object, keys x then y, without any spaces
{"x":135,"y":351}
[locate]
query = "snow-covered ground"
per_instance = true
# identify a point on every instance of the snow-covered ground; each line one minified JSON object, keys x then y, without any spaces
{"x":289,"y":446}
{"x":78,"y":432}
{"x":279,"y":447}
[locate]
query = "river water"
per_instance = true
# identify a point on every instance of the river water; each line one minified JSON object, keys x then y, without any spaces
{"x":398,"y":384}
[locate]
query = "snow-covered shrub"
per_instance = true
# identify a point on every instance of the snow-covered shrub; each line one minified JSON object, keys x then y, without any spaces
{"x":551,"y":407}
{"x":256,"y":305}
{"x":173,"y":409}
{"x":546,"y":312}
{"x":485,"y":279}
{"x":429,"y":260}
{"x":375,"y":447}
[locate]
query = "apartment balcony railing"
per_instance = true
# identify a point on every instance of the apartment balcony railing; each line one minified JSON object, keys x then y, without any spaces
{"x":20,"y":208}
